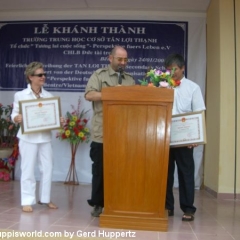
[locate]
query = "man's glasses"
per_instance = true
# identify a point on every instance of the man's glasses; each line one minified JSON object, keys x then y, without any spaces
{"x":40,"y":75}
{"x":121,"y":59}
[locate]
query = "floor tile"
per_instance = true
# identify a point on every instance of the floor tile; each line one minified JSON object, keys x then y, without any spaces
{"x":214,"y":220}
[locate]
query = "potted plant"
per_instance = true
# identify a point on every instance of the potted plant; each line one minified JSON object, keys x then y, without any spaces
{"x":8,"y":131}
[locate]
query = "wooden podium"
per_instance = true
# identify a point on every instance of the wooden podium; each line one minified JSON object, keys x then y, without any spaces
{"x":136,"y":133}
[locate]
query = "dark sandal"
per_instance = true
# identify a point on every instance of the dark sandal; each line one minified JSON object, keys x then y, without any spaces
{"x":188,"y":217}
{"x":50,"y":205}
{"x":170,"y":212}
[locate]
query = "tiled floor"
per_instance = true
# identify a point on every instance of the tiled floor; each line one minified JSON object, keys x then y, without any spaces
{"x":214,"y":219}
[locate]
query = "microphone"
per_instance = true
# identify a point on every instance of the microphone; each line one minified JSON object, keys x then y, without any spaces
{"x":120,"y":70}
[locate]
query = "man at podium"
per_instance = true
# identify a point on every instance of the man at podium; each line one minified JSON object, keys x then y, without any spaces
{"x":110,"y":76}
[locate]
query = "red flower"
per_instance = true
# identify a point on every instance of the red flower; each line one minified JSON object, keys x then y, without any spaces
{"x":85,"y":120}
{"x":178,"y":82}
{"x":76,"y":132}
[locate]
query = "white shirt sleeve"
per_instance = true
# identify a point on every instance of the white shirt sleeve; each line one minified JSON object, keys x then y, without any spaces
{"x":197,"y":100}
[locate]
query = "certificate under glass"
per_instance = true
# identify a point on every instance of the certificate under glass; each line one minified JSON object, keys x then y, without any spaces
{"x":41,"y":114}
{"x":187,"y":129}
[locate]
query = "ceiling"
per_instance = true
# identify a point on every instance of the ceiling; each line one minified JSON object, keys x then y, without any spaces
{"x":18,"y":6}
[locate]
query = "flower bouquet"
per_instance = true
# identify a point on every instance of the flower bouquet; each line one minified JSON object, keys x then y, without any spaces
{"x":8,"y":129}
{"x":75,"y":132}
{"x":158,"y":78}
{"x":7,"y":164}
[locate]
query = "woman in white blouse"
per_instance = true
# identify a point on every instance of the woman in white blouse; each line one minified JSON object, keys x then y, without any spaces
{"x":34,"y":147}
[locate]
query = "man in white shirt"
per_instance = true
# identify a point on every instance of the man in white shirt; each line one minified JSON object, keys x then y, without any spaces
{"x":187,"y":98}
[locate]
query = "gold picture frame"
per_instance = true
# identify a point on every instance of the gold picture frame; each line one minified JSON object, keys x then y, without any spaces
{"x":187,"y":129}
{"x":39,"y":115}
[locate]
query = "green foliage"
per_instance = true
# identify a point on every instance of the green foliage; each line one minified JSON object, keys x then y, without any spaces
{"x":8,"y":129}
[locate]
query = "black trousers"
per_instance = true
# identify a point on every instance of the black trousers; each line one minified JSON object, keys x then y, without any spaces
{"x":96,"y":154}
{"x":185,"y":165}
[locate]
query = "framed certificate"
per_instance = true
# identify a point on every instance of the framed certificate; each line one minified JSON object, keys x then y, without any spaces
{"x":187,"y":129}
{"x":39,"y":115}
